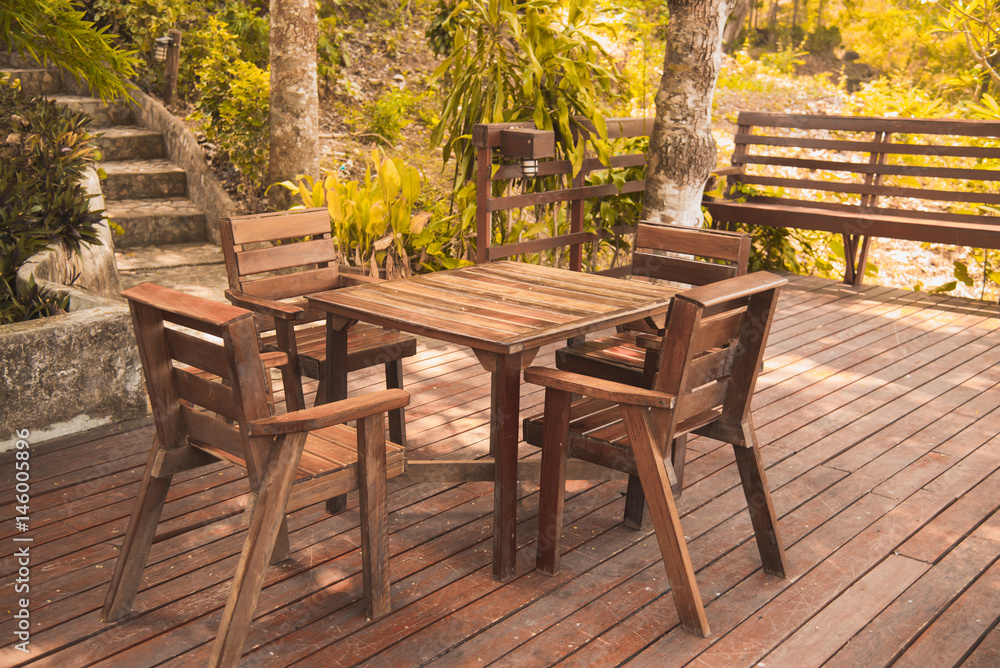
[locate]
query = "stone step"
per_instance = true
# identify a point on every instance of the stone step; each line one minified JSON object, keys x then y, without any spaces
{"x":35,"y":81}
{"x":130,"y":143}
{"x":156,"y":221}
{"x":104,"y":114}
{"x":143,"y":179}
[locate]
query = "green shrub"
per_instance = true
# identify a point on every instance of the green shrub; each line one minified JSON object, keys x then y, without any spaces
{"x":233,"y":105}
{"x":44,"y":154}
{"x":388,"y":115}
{"x":823,"y":40}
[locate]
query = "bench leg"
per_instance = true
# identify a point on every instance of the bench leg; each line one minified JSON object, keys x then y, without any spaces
{"x":856,"y":259}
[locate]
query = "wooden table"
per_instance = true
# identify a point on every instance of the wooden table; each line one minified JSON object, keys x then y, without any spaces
{"x":503,"y":311}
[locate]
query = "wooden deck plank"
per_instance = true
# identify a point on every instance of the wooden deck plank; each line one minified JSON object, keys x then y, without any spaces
{"x":883,"y":639}
{"x":878,"y":410}
{"x":966,"y":621}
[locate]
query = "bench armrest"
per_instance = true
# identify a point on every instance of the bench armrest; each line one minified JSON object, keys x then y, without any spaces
{"x":597,"y":388}
{"x":269,"y":307}
{"x":327,"y":415}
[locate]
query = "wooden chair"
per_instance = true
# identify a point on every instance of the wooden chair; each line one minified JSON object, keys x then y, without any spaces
{"x":209,"y":404}
{"x":716,"y":255}
{"x":711,"y":256}
{"x":709,"y":360}
{"x":272,"y":281}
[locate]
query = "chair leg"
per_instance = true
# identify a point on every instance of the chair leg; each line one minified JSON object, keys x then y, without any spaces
{"x":397,"y":417}
{"x":762,"y":515}
{"x":552,"y":482}
{"x":268,"y":518}
{"x":374,"y":514}
{"x":282,"y":548}
{"x":635,"y":503}
{"x":320,"y":392}
{"x":677,"y":457}
{"x":137,"y":541}
{"x":669,"y":534}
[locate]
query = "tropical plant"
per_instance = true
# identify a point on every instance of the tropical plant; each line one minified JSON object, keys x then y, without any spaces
{"x":516,"y":60}
{"x":978,"y":22}
{"x":56,"y":32}
{"x":373,"y":222}
{"x":42,"y":198}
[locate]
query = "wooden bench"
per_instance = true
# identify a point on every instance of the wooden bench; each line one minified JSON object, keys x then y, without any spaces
{"x":863,"y":177}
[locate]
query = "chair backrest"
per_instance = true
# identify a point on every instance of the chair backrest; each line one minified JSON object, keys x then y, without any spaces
{"x":712,"y":352}
{"x":724,"y":254}
{"x":204,"y":390}
{"x":304,"y":262}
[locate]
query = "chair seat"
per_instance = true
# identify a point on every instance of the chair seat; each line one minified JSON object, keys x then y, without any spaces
{"x":597,"y":432}
{"x":326,"y":451}
{"x":594,"y":424}
{"x":615,"y":357}
{"x":367,"y":345}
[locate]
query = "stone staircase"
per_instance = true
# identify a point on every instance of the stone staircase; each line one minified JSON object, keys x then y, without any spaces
{"x":165,"y":238}
{"x":144,"y":192}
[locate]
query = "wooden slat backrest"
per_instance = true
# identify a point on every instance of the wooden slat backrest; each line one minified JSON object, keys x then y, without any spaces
{"x":253,"y":254}
{"x":731,"y":253}
{"x":878,"y":165}
{"x":711,"y":353}
{"x":197,"y":385}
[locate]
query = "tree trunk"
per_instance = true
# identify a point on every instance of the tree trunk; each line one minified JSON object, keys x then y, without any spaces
{"x":294,"y":124}
{"x":731,"y":33}
{"x":682,"y":151}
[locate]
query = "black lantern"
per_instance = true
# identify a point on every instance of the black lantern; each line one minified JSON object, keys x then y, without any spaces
{"x":161,"y":47}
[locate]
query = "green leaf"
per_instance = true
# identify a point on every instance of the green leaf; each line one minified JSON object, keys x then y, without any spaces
{"x":962,"y":273}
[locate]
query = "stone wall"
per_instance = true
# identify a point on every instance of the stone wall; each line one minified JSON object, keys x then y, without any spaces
{"x":73,"y":372}
{"x":93,"y":268}
{"x":183,"y":149}
{"x":70,"y":373}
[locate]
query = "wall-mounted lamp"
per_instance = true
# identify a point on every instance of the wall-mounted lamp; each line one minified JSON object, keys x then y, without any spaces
{"x":528,"y":146}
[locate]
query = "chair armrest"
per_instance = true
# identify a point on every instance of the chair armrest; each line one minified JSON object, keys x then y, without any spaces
{"x":597,"y":388}
{"x":272,"y":360}
{"x":269,"y":307}
{"x":327,"y":415}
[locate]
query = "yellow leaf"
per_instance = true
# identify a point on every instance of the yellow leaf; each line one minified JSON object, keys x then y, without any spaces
{"x":389,"y":178}
{"x":418,"y":222}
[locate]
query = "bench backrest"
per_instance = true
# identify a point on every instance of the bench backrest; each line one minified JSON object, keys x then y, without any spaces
{"x":706,"y":256}
{"x":935,"y":169}
{"x":305,"y":261}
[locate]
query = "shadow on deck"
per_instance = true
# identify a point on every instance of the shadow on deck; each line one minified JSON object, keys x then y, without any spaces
{"x":879,"y":412}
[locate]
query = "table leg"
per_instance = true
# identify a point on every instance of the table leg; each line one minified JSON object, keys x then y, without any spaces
{"x":505,"y":412}
{"x":335,"y":372}
{"x":335,"y":385}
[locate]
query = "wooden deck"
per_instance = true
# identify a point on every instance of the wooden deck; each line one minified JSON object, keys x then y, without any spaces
{"x":879,"y":411}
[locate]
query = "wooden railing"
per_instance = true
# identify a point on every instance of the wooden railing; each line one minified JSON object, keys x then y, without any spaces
{"x":521,"y":140}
